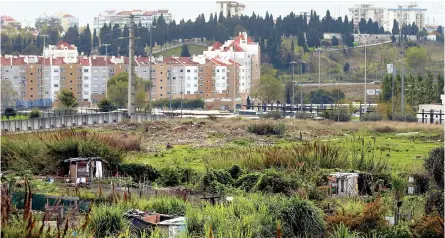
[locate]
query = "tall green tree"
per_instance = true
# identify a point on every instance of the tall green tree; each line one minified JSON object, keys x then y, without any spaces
{"x":8,"y":95}
{"x":95,"y":40}
{"x":18,"y":44}
{"x":416,"y":58}
{"x":185,"y":51}
{"x":124,"y":43}
{"x":85,"y":41}
{"x":105,"y":38}
{"x":6,"y":44}
{"x":67,"y":98}
{"x":270,"y":88}
{"x":72,"y":36}
{"x":395,"y":28}
{"x":118,"y":90}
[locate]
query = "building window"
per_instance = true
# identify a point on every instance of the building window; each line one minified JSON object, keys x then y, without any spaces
{"x":181,"y":70}
{"x":196,"y":78}
{"x":85,"y":70}
{"x":16,"y":77}
{"x":195,"y":71}
{"x":188,"y":92}
{"x":223,"y":70}
{"x":188,"y":78}
{"x":94,"y":78}
{"x":188,"y":70}
{"x":86,"y":85}
{"x":56,"y":70}
{"x":56,"y":85}
{"x":85,"y":78}
{"x":188,"y":85}
{"x":195,"y":85}
{"x":201,"y":70}
{"x":32,"y":74}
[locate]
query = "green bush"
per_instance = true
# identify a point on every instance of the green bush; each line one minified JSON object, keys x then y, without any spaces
{"x":248,"y":181}
{"x":401,"y":117}
{"x":139,"y":172}
{"x":106,"y":105}
{"x":166,"y":205}
{"x":342,"y":114}
{"x":215,"y":181}
{"x":272,"y":115}
{"x":235,"y":171}
{"x":34,"y":113}
{"x":399,"y":231}
{"x":275,"y":182}
{"x":108,"y":220}
{"x":301,"y":217}
{"x":176,"y":176}
{"x":267,"y":128}
{"x":371,"y":117}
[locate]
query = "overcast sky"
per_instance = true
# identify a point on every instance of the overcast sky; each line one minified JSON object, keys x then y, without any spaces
{"x":27,"y":11}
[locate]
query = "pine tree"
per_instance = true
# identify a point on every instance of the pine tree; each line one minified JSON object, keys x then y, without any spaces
{"x":85,"y":41}
{"x":185,"y":51}
{"x":18,"y":44}
{"x":95,"y":40}
{"x":395,"y":28}
{"x":439,"y":30}
{"x":334,"y":41}
{"x":72,"y":36}
{"x":105,"y":38}
{"x":301,"y":41}
{"x":362,"y":26}
{"x":124,"y":43}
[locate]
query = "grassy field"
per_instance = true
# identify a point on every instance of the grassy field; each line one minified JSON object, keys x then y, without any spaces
{"x":193,"y":49}
{"x":404,"y":146}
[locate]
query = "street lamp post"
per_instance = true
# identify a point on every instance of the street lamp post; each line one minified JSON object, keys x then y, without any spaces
{"x":149,"y":73}
{"x":106,"y":66}
{"x":293,"y":86}
{"x":170,"y":83}
{"x":42,"y":74}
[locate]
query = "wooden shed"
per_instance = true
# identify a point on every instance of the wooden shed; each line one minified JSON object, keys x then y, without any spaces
{"x":83,"y":170}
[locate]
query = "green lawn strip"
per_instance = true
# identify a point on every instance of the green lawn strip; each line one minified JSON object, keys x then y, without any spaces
{"x":17,"y":117}
{"x":181,"y":155}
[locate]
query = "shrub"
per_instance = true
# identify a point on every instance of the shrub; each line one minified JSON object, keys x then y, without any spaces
{"x":139,"y":172}
{"x":166,"y":205}
{"x":267,"y":128}
{"x":428,"y":227}
{"x":434,"y":164}
{"x":371,"y":117}
{"x":34,"y":113}
{"x":107,"y":220}
{"x":399,"y":231}
{"x":176,"y":176}
{"x":248,"y":181}
{"x":272,"y":115}
{"x":385,"y":129}
{"x":106,"y":105}
{"x":215,"y":181}
{"x":401,"y":117}
{"x":274,"y":182}
{"x":301,"y":217}
{"x":341,"y":231}
{"x":235,"y":171}
{"x":342,"y":114}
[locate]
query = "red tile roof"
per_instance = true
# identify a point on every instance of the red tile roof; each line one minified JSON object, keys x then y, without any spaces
{"x":124,"y":13}
{"x":47,"y":60}
{"x":216,"y":61}
{"x":67,"y":15}
{"x":62,"y":44}
{"x":235,"y":45}
{"x":149,"y":13}
{"x":81,"y":60}
{"x":234,"y":62}
{"x":162,"y":11}
{"x":57,"y":61}
{"x":242,"y":37}
{"x":17,"y":60}
{"x":100,"y":61}
{"x":186,"y":60}
{"x":5,"y":61}
{"x":140,"y":61}
{"x":216,"y":46}
{"x":6,"y":18}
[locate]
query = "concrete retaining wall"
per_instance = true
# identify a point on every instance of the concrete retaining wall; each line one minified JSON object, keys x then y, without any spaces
{"x":36,"y":124}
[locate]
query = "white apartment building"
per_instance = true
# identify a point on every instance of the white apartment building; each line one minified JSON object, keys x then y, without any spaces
{"x":62,"y":49}
{"x":241,"y":50}
{"x":67,"y":20}
{"x":123,"y":17}
{"x":235,"y":8}
{"x":367,"y":11}
{"x":406,"y":14}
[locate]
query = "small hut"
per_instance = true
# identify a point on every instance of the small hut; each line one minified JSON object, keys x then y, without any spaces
{"x":83,"y":170}
{"x":343,"y":184}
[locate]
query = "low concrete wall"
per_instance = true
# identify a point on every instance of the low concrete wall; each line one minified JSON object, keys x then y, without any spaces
{"x":37,"y":124}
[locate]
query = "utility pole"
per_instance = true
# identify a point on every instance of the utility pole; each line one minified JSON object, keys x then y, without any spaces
{"x":106,"y":66}
{"x":149,"y":74}
{"x":42,"y":74}
{"x":170,"y":80}
{"x":365,"y":77}
{"x":403,"y":79}
{"x":131,"y":74}
{"x":392,"y":92}
{"x":293,"y":86}
{"x":301,"y":86}
{"x":319,"y":72}
{"x":234,"y":80}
